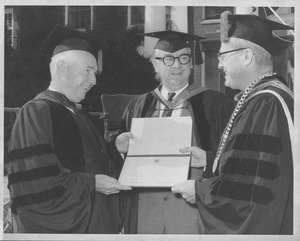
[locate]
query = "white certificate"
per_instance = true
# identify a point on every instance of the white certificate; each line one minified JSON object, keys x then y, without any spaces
{"x":153,"y":158}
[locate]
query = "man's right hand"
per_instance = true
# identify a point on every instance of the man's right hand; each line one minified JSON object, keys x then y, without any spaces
{"x":198,"y":156}
{"x":122,"y":141}
{"x":109,"y":185}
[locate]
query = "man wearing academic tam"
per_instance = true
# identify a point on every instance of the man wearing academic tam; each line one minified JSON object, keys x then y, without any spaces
{"x":158,"y":210}
{"x":61,"y":172}
{"x":250,"y":190}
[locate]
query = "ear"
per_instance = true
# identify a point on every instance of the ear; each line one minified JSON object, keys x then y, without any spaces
{"x":62,"y":66}
{"x":248,"y":57}
{"x":154,"y":63}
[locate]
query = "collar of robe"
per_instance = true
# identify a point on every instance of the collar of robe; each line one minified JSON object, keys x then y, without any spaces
{"x":61,"y":98}
{"x":269,"y":82}
{"x":188,"y":92}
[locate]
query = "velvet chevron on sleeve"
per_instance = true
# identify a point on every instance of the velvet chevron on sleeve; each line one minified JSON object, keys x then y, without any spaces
{"x":50,"y":186}
{"x":38,"y":181}
{"x":253,"y":192}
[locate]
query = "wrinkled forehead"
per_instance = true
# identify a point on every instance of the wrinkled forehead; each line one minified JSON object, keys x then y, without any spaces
{"x":161,"y":53}
{"x":83,"y":58}
{"x":229,"y":45}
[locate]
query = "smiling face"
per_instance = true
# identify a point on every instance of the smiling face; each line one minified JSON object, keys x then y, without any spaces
{"x":176,"y":76}
{"x":79,"y":75}
{"x":232,"y":65}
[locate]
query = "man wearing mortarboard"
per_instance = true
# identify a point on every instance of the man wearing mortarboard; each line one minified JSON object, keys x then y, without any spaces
{"x":60,"y":168}
{"x":158,"y":210}
{"x":251,"y":188}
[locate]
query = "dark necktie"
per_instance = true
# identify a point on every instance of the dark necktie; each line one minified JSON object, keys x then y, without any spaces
{"x":168,"y":112}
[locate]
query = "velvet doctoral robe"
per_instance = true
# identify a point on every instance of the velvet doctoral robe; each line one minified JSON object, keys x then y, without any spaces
{"x":55,"y":152}
{"x":253,"y":191}
{"x":158,"y":210}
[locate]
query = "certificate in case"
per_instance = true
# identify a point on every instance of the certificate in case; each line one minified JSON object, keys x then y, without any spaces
{"x":153,"y":158}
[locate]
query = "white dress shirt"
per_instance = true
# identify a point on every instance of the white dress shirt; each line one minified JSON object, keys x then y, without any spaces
{"x":177,"y":110}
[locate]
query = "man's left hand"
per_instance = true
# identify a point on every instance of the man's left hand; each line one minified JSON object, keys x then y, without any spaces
{"x":122,"y":141}
{"x":187,"y":190}
{"x":108,"y":185}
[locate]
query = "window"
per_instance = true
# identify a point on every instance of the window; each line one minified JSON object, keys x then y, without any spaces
{"x":9,"y":24}
{"x":79,"y":17}
{"x":136,"y":15}
{"x":265,"y":11}
{"x":211,"y":13}
{"x":285,"y":10}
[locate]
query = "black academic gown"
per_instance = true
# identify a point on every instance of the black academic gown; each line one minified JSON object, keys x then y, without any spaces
{"x":55,"y":152}
{"x":253,"y":192}
{"x":210,"y":111}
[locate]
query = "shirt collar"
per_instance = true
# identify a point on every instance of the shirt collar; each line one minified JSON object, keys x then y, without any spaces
{"x":165,"y":92}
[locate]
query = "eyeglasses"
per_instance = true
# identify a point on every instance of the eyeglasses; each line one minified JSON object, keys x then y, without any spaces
{"x":169,"y":60}
{"x":221,"y":56}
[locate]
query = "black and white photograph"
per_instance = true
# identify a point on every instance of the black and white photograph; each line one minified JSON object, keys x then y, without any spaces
{"x":150,"y":120}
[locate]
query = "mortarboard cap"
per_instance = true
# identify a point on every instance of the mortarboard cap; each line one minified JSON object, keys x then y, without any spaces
{"x":250,"y":27}
{"x":62,"y":39}
{"x":172,"y":41}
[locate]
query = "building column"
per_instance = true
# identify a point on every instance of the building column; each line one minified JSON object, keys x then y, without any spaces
{"x":155,"y":20}
{"x":179,"y":19}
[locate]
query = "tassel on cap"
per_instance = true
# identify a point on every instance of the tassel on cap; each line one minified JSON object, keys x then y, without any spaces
{"x":224,"y":26}
{"x":198,"y":53}
{"x":100,"y":61}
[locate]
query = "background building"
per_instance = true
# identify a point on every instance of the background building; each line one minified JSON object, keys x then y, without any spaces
{"x":124,"y":71}
{"x":125,"y":54}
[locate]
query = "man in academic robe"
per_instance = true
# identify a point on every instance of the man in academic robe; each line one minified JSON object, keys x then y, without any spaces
{"x":251,"y":186}
{"x":158,"y":210}
{"x":61,"y":172}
